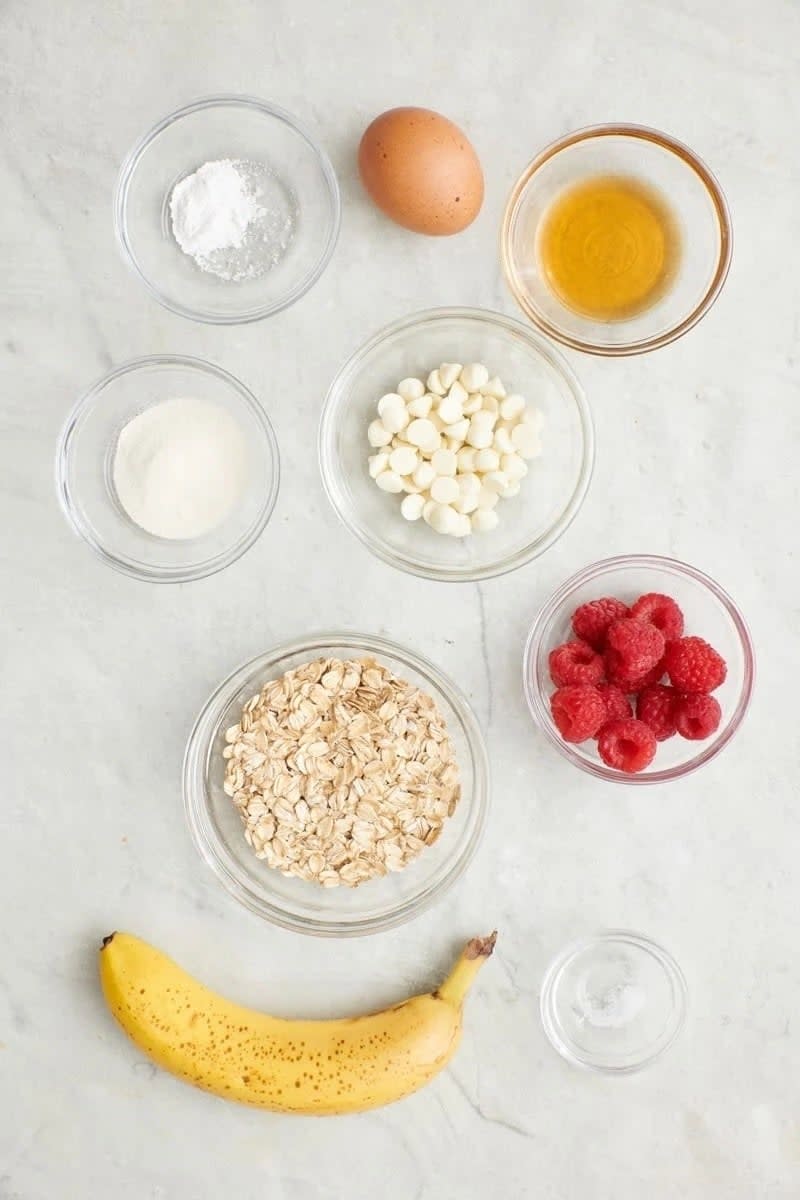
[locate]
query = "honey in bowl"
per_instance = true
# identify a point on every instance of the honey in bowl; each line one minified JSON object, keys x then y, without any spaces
{"x":609,"y":247}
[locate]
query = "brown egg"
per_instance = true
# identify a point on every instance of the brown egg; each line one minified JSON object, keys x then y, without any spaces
{"x":421,"y":170}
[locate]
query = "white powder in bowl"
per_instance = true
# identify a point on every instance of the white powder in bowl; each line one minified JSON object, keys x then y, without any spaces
{"x":234,"y":217}
{"x":180,"y":467}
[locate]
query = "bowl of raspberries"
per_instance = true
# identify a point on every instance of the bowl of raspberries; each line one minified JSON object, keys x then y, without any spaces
{"x":639,"y":669}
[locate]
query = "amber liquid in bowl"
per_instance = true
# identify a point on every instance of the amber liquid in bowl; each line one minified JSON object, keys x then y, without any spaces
{"x":609,"y":247}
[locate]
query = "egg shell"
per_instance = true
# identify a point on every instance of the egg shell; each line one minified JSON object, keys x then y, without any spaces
{"x":421,"y":171}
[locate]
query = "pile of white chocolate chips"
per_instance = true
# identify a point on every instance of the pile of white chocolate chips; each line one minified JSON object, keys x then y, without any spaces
{"x":453,"y":447}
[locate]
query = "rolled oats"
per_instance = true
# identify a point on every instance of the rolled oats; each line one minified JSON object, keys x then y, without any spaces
{"x":341,"y":772}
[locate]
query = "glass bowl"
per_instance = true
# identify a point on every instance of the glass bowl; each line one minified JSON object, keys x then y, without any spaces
{"x":691,"y":192}
{"x":614,"y":1002}
{"x":710,"y":613}
{"x":85,"y":457}
{"x":225,"y":127}
{"x":292,"y":903}
{"x":551,"y":494}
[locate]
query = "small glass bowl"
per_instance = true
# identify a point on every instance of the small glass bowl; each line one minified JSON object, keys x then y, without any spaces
{"x":710,"y":613}
{"x":85,"y":458}
{"x":690,"y":190}
{"x":378,"y":904}
{"x":552,"y":492}
{"x":614,"y":1002}
{"x":221,"y":127}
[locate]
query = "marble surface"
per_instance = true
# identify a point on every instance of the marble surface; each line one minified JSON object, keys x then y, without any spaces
{"x":102,"y":676}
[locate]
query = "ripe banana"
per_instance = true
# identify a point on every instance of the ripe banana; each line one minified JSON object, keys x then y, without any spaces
{"x":321,"y":1067}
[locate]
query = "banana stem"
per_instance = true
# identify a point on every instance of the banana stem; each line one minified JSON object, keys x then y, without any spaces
{"x":460,"y":979}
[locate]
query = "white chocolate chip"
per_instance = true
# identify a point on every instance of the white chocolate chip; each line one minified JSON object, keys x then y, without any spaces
{"x":463,"y":525}
{"x":424,"y":434}
{"x":465,"y":504}
{"x":511,"y":489}
{"x":424,"y":475}
{"x":469,"y":484}
{"x":392,"y":411}
{"x":435,"y":384}
{"x":459,"y":430}
{"x":450,"y":409}
{"x":484,"y":520}
{"x":513,"y":466}
{"x":494,"y":387}
{"x":484,"y":418}
{"x":512,"y":407}
{"x":473,"y":404}
{"x":491,"y":404}
{"x":480,"y":433}
{"x":502,"y":441}
{"x":444,"y":490}
{"x":403,"y":460}
{"x":377,"y":463}
{"x":449,"y":373}
{"x":444,"y":462}
{"x":470,"y":490}
{"x":474,"y":377}
{"x":466,"y":456}
{"x":390,"y":481}
{"x":378,"y":434}
{"x":428,"y":510}
{"x":412,"y":507}
{"x":421,"y":405}
{"x":443,"y":518}
{"x":497,"y":481}
{"x":487,"y":498}
{"x":485,"y":460}
{"x":411,"y":389}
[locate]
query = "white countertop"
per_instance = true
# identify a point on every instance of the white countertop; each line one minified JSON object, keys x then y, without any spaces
{"x":102,"y":676}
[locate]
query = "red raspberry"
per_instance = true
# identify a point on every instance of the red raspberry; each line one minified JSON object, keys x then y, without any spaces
{"x":632,"y":649}
{"x":630,"y":745}
{"x":697,"y":717}
{"x":638,"y":682}
{"x":575,"y":662}
{"x":694,"y":666}
{"x":661,"y":611}
{"x":618,"y":706}
{"x":591,"y":620}
{"x":578,"y":711}
{"x":655,"y":705}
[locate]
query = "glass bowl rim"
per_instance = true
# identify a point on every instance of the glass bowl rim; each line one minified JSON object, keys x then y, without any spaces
{"x":713,"y":190}
{"x":131,"y":162}
{"x":338,"y":389}
{"x":539,"y":709}
{"x":566,"y":954}
{"x":194,"y":779}
{"x":119,"y":562}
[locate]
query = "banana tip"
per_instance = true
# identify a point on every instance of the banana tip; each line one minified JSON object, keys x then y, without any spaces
{"x":108,"y":938}
{"x":481,"y":947}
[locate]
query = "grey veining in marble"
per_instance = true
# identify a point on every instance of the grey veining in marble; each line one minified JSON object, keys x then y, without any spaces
{"x":697,"y":457}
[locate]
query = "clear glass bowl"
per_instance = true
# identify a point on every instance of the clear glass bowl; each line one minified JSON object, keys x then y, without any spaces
{"x":85,"y":457}
{"x":690,"y":190}
{"x":710,"y":613}
{"x":219,"y":127}
{"x":306,"y":907}
{"x":614,"y":1002}
{"x":551,"y":494}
